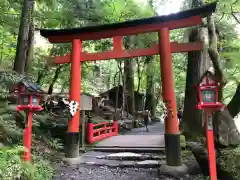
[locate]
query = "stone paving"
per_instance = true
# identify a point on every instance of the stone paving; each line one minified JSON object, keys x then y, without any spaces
{"x":126,"y":159}
{"x":154,"y":129}
{"x":134,"y":141}
{"x":96,"y":165}
{"x":137,"y":138}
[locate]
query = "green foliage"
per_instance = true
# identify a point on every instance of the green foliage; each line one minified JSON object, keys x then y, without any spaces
{"x":12,"y":167}
{"x":230,"y":161}
{"x":55,"y":144}
{"x":9,"y":133}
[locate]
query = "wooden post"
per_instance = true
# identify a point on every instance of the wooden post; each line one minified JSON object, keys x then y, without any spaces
{"x":83,"y":130}
{"x":90,"y":132}
{"x":211,"y":148}
{"x":28,"y":137}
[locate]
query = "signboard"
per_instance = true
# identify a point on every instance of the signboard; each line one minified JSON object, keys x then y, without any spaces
{"x":86,"y":102}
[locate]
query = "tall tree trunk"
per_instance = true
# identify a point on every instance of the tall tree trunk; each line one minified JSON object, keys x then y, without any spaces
{"x":198,"y":63}
{"x":98,"y":77}
{"x":215,"y":58}
{"x":23,"y":42}
{"x":129,"y":85}
{"x":109,"y":80}
{"x":121,"y":75}
{"x":42,"y":73}
{"x":129,"y":81}
{"x":56,"y":75}
{"x":225,"y":130}
{"x":23,"y":35}
{"x":234,"y":105}
{"x":138,"y":74}
{"x":118,"y":87}
{"x":29,"y":58}
{"x":150,"y":103}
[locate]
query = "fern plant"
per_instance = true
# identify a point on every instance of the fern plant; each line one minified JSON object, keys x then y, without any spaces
{"x":13,"y":168}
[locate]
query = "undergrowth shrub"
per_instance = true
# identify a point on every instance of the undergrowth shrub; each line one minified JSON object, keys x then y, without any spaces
{"x":55,"y":143}
{"x":13,"y":168}
{"x":230,"y":161}
{"x":43,"y":147}
{"x":9,"y":132}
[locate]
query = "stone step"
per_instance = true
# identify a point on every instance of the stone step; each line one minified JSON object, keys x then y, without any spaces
{"x":129,"y":156}
{"x":130,"y":149}
{"x":123,"y":160}
{"x":126,"y":164}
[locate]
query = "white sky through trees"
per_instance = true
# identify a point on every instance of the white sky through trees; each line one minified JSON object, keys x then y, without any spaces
{"x":164,"y":7}
{"x":171,"y":6}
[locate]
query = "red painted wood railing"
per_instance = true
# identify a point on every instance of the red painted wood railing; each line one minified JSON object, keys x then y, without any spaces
{"x":97,"y":132}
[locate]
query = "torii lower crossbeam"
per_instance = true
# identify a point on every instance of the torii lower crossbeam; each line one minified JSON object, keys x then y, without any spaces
{"x":118,"y":53}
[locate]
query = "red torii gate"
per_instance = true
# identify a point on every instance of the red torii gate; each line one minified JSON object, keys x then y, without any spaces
{"x":161,"y":24}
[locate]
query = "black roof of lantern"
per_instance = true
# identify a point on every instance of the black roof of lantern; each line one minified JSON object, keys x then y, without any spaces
{"x":32,"y":87}
{"x":203,"y":11}
{"x":209,"y":74}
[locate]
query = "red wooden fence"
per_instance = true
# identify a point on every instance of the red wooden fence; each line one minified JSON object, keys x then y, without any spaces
{"x":97,"y":132}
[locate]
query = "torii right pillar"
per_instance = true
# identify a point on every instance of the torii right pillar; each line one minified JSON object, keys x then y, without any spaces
{"x":172,"y":134}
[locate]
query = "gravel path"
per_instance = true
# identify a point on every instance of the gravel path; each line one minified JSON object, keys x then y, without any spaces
{"x":105,"y":173}
{"x":87,"y":172}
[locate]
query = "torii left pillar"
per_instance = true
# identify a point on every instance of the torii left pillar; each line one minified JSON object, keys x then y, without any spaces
{"x":72,"y":137}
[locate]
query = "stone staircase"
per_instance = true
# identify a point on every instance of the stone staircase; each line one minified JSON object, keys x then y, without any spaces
{"x":124,"y":159}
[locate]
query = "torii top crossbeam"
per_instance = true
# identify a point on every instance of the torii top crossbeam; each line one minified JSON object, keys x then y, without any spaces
{"x":182,"y":19}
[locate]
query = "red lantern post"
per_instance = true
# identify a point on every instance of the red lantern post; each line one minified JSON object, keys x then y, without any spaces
{"x":209,"y":103}
{"x":28,"y":101}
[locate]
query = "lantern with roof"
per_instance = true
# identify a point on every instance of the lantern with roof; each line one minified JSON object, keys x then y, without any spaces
{"x":28,"y":101}
{"x":208,"y":92}
{"x":28,"y":96}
